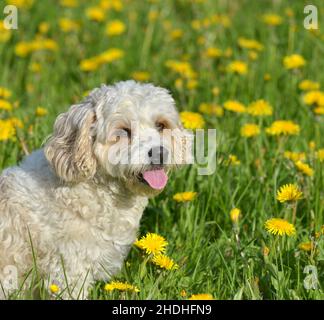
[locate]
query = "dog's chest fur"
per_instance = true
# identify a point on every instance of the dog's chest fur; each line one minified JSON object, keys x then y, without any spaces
{"x":100,"y":221}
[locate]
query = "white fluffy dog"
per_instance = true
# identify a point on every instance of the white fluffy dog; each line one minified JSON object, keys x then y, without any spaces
{"x":71,"y":202}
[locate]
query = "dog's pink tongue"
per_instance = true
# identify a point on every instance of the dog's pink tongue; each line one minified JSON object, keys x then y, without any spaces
{"x":157,"y":179}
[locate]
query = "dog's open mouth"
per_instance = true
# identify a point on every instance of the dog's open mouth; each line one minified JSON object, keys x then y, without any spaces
{"x":156,"y":178}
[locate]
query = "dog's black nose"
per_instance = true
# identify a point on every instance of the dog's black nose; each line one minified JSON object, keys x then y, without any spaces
{"x":158,"y":155}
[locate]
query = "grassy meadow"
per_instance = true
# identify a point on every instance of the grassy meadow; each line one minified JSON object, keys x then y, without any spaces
{"x":236,"y":66}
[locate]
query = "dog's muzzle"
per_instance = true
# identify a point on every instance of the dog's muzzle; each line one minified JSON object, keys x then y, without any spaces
{"x":155,"y":176}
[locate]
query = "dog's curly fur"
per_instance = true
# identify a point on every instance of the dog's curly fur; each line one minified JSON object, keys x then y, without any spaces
{"x":67,"y":200}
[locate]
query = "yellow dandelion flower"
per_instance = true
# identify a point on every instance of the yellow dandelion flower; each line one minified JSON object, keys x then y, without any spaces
{"x":30,"y":88}
{"x":237,"y":66}
{"x":304,"y":168}
{"x":250,"y":130}
{"x":5,"y":93}
{"x":107,"y":56}
{"x":116,"y":5}
{"x":280,"y":227}
{"x":215,"y":91}
{"x":259,"y":108}
{"x":312,"y":145}
{"x":178,"y":83}
{"x":153,"y":15}
{"x":228,"y":52}
{"x":213,"y":52}
{"x":68,"y":25}
{"x":54,"y":288}
{"x":283,"y":127}
{"x":111,"y":55}
{"x":192,"y":120}
{"x":183,"y":68}
{"x":196,"y":24}
{"x":289,"y":192}
{"x":42,"y":44}
{"x":69,"y":3}
{"x":234,"y":106}
{"x":21,"y":4}
{"x":115,"y":28}
{"x":164,"y":262}
{"x":41,"y":112}
{"x":17,"y":123}
{"x":221,"y":19}
{"x":89,"y":64}
{"x":5,"y":105}
{"x":95,"y":14}
{"x":7,"y":130}
{"x":253,"y":55}
{"x":185,"y":196}
{"x":43,"y":27}
{"x":5,"y":34}
{"x":294,"y":61}
{"x":192,"y":84}
{"x":48,"y":44}
{"x":250,"y":44}
{"x":272,"y":19}
{"x":201,"y":40}
{"x":307,"y":85}
{"x":233,"y":160}
{"x":211,"y":109}
{"x":152,"y":243}
{"x":206,"y":22}
{"x":201,"y":296}
{"x":314,"y":97}
{"x":22,"y":49}
{"x":267,"y":77}
{"x":235,"y":215}
{"x":306,"y":246}
{"x":141,"y":76}
{"x":120,"y":286}
{"x":183,"y":293}
{"x":176,"y":34}
{"x":294,"y":156}
{"x":35,"y":67}
{"x":319,"y":110}
{"x":320,"y":155}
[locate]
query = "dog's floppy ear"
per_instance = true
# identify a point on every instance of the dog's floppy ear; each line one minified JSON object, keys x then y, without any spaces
{"x":69,"y":149}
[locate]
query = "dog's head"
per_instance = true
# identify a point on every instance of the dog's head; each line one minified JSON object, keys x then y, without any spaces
{"x":129,"y":131}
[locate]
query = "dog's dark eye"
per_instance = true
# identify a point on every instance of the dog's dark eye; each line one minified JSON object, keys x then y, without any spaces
{"x":123,"y":132}
{"x":160,"y":126}
{"x":128,"y":132}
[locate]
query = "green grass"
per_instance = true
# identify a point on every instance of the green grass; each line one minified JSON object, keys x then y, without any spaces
{"x":213,"y":256}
